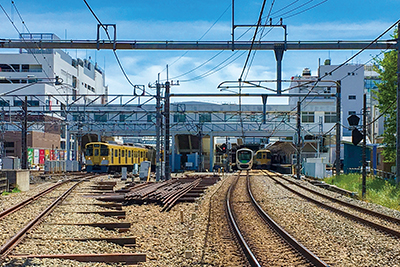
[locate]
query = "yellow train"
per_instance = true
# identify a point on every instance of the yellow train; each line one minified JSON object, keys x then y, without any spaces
{"x":262,"y":159}
{"x":109,"y":158}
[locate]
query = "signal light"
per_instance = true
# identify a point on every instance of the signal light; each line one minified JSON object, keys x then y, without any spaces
{"x":223,"y":148}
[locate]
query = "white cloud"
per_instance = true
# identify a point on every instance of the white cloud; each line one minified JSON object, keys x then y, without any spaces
{"x":337,"y":31}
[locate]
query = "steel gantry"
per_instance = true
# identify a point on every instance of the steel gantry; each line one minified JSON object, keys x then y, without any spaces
{"x":211,"y":45}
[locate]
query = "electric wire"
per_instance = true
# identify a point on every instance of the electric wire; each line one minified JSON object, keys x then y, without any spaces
{"x":201,"y":76}
{"x":302,"y":11}
{"x":30,"y":51}
{"x":352,"y":57}
{"x":253,"y":39}
{"x":223,"y":13}
{"x":115,"y":53}
{"x":261,"y":36}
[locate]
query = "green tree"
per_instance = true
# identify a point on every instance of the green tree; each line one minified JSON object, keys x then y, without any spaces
{"x":386,"y":96}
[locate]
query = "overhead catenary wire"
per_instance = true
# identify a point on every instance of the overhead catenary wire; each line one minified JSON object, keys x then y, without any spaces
{"x":204,"y":34}
{"x":212,"y":72}
{"x":109,"y":37}
{"x":352,"y":57}
{"x":261,"y":36}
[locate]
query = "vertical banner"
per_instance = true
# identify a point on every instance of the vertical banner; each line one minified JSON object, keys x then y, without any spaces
{"x":36,"y":156}
{"x":62,"y":155}
{"x":30,"y":156}
{"x":51,"y":154}
{"x":41,"y":156}
{"x":47,"y":154}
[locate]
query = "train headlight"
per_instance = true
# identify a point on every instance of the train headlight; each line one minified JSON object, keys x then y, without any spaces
{"x":89,"y":158}
{"x":104,"y":158}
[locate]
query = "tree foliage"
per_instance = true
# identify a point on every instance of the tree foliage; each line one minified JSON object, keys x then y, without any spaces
{"x":386,"y":96}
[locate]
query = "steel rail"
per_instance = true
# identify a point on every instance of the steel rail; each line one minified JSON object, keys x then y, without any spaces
{"x":242,"y":242}
{"x":35,"y":197}
{"x":170,"y":201}
{"x":338,"y":211}
{"x":17,"y":238}
{"x":364,"y":210}
{"x":311,"y":257}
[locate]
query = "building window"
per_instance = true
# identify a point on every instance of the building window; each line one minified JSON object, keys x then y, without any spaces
{"x":352,"y":97}
{"x":179,"y":117}
{"x":352,"y":113}
{"x":18,"y":103}
{"x":9,"y":68}
{"x":307,"y":116}
{"x":151,"y":118}
{"x":205,"y":117}
{"x":4,"y":103}
{"x":30,"y":103}
{"x":100,"y":118}
{"x":122,"y":117}
{"x":74,"y":81}
{"x":8,"y":144}
{"x":330,"y":117}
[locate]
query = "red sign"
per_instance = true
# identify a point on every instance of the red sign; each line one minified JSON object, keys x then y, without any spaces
{"x":41,"y":156}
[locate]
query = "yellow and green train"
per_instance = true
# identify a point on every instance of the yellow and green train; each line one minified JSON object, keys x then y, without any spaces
{"x":110,"y":158}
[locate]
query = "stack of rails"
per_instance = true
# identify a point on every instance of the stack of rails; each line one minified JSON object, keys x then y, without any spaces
{"x":168,"y":193}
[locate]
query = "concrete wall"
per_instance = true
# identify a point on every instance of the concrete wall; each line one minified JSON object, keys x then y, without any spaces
{"x":18,"y":178}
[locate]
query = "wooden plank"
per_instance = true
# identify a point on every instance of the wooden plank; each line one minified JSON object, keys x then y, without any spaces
{"x":128,"y":258}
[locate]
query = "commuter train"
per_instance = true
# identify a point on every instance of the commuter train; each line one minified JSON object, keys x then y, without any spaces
{"x":244,"y":158}
{"x":262,"y":159}
{"x":110,"y":158}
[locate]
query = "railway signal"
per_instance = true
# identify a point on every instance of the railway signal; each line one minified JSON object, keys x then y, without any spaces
{"x":223,"y":148}
{"x":356,"y":135}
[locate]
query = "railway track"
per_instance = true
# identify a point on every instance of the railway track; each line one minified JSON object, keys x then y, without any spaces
{"x":263,"y":241}
{"x":37,"y":221}
{"x":373,"y":219}
{"x":335,"y":238}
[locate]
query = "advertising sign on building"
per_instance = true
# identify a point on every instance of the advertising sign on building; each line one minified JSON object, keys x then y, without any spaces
{"x":41,"y":156}
{"x":47,"y":154}
{"x":51,"y":154}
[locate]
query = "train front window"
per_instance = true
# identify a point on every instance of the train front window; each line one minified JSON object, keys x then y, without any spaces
{"x":245,"y":156}
{"x":89,"y":151}
{"x":103,"y":150}
{"x":96,"y":152}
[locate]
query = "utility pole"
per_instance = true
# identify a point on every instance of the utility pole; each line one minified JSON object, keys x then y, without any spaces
{"x":158,"y":130}
{"x":2,"y":139}
{"x":167,"y":134}
{"x":338,"y":110}
{"x":200,"y":167}
{"x":364,"y":148}
{"x":298,"y":163}
{"x":24,"y":137}
{"x":398,"y":109}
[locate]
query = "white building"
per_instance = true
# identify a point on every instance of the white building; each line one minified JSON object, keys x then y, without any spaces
{"x":50,"y":78}
{"x":313,"y":108}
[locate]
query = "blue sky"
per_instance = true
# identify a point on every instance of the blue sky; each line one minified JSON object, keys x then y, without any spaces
{"x":189,"y":20}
